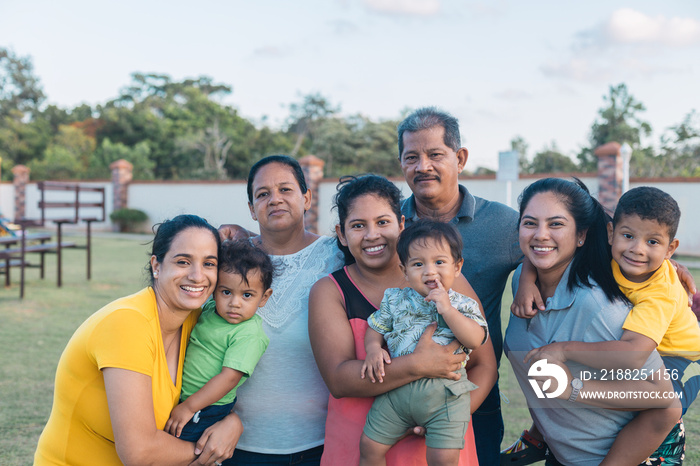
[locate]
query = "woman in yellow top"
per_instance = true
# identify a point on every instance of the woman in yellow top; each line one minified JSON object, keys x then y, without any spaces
{"x":121,"y":372}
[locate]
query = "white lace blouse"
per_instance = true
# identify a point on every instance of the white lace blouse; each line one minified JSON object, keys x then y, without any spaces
{"x":283,"y":405}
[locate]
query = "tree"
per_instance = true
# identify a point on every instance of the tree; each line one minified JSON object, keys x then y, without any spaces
{"x":518,"y":144}
{"x":551,"y":160}
{"x":20,"y":141}
{"x":268,"y":142}
{"x":19,"y":88}
{"x":679,"y":154}
{"x":356,"y":145}
{"x":618,"y":121}
{"x":109,"y":152}
{"x":306,"y":115}
{"x":67,"y":157}
{"x":378,"y":151}
{"x":21,"y":136}
{"x":173,"y":117}
{"x":214,"y":147}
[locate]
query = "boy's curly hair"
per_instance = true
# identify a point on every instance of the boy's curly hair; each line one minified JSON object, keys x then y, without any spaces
{"x":242,"y":257}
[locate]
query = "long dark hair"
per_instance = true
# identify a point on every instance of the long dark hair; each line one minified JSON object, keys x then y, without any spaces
{"x":351,"y":187}
{"x":593,"y":258}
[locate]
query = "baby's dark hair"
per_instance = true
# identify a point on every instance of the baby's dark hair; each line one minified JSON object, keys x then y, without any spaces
{"x":423,"y":230}
{"x":242,"y":257}
{"x":650,"y":204}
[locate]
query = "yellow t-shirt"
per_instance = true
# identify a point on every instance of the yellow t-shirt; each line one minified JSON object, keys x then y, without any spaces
{"x":125,"y":334}
{"x":661,"y":312}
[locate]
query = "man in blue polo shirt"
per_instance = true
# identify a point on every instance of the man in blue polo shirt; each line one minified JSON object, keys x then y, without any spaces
{"x":431,"y":158}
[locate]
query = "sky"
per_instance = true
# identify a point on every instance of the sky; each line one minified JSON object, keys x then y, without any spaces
{"x":537,"y":69}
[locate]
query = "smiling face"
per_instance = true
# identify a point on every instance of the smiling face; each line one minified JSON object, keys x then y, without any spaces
{"x":429,"y":261}
{"x":371,"y":231}
{"x":640,"y":246}
{"x":278,"y":203}
{"x":430,"y":166}
{"x":238,"y":301}
{"x":187,"y":275}
{"x":548,"y":235}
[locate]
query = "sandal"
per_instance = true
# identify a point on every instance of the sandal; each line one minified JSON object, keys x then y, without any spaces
{"x":525,"y":450}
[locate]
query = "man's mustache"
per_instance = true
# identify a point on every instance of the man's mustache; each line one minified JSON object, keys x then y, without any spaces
{"x":418,"y":178}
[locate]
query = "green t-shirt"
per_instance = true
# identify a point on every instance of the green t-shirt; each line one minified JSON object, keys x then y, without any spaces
{"x":215,"y":343}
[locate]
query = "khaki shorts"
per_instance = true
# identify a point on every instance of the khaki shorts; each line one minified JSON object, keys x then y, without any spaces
{"x":439,"y":405}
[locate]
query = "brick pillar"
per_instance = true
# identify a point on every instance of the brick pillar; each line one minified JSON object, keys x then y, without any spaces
{"x":21,"y":178}
{"x":313,"y":171}
{"x":122,"y":173}
{"x":610,"y":167}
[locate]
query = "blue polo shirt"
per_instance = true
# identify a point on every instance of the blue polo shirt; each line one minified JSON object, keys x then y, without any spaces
{"x":577,"y":434}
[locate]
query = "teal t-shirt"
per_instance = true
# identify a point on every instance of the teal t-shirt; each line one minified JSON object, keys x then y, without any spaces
{"x":214,"y":344}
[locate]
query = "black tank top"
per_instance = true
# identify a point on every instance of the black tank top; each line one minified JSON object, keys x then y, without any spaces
{"x":356,"y":305}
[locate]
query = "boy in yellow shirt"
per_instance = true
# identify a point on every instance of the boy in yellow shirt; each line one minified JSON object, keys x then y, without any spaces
{"x":642,"y":237}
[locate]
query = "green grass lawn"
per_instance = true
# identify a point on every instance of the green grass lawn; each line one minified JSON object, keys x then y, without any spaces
{"x":35,"y":330}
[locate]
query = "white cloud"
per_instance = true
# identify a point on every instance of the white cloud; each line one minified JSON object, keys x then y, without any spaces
{"x":627,"y":26}
{"x":408,"y":7}
{"x":628,"y":44}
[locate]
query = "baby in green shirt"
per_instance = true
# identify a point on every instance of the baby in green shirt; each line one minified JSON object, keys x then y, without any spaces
{"x":227,"y":342}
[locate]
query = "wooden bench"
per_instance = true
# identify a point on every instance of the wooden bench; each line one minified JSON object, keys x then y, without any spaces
{"x":74,"y":203}
{"x":14,"y":256}
{"x":8,"y":255}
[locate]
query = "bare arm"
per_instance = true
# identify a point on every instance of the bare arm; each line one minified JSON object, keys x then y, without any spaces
{"x":215,"y":389}
{"x":686,"y":279}
{"x":334,"y":349}
{"x":629,"y":352}
{"x":527,"y":300}
{"x":139,"y":441}
{"x":481,"y":367}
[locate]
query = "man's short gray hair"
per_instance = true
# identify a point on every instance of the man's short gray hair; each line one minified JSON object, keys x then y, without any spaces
{"x":427,"y":118}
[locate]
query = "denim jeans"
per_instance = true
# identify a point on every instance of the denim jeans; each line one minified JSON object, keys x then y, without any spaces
{"x":488,"y":428}
{"x":203,"y":419}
